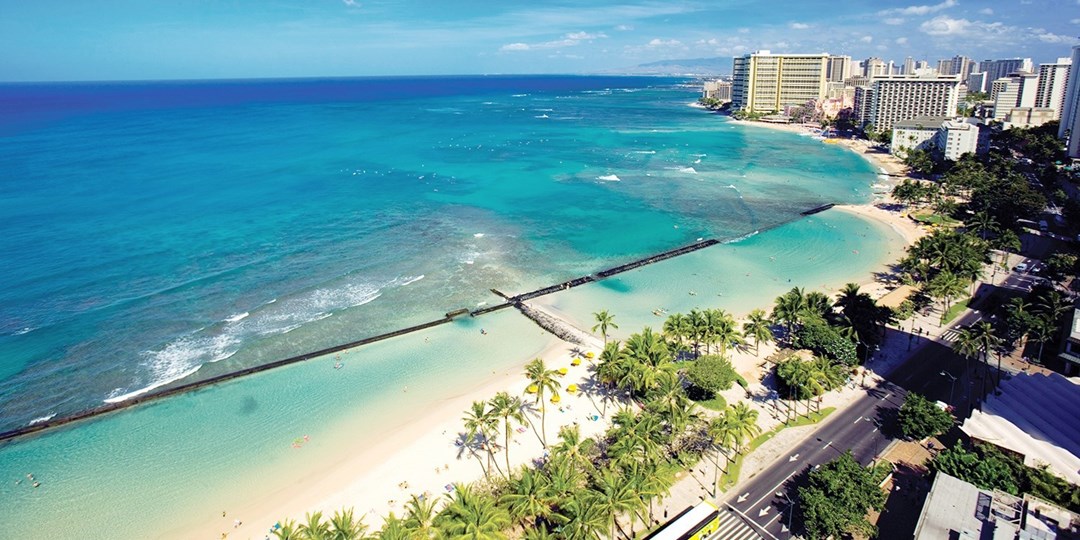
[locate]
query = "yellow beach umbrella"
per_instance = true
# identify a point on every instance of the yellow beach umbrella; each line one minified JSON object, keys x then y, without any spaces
{"x":590,"y":354}
{"x":555,"y":398}
{"x":571,"y":388}
{"x":575,"y":362}
{"x":562,"y":371}
{"x":532,"y":389}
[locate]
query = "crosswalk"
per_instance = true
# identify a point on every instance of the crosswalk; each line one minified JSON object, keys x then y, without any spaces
{"x":732,"y":527}
{"x":950,"y":335}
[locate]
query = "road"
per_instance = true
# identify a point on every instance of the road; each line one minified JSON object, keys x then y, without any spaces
{"x":858,"y":427}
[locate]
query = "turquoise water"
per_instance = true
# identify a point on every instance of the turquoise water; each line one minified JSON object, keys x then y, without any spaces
{"x":821,"y":252}
{"x":166,"y":231}
{"x":161,"y":231}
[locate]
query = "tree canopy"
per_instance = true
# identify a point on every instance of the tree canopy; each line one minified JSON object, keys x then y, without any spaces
{"x":836,"y":498}
{"x":919,"y":418}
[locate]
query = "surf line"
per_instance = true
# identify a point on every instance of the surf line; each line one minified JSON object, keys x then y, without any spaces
{"x":510,"y":301}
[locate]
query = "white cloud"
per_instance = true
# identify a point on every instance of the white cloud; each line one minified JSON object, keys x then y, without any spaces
{"x":747,"y":30}
{"x":943,"y":25}
{"x":624,"y":27}
{"x":986,"y":11}
{"x":901,"y":41}
{"x":568,"y":40}
{"x":920,"y":10}
{"x":655,"y":42}
{"x":893,"y":21}
{"x":584,"y":35}
{"x":866,"y":39}
{"x":799,"y":26}
{"x":1075,"y":21}
{"x":351,"y":3}
{"x":1050,"y":37}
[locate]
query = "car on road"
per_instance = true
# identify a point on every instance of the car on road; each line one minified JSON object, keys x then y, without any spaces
{"x":1038,"y":268}
{"x":1022,"y":267}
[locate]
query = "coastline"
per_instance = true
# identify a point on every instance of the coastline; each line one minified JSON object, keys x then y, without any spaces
{"x":419,"y":457}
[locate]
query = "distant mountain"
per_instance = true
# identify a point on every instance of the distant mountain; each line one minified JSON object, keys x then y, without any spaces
{"x":688,"y":66}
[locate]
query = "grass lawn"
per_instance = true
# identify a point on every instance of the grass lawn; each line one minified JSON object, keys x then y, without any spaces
{"x":931,"y":218}
{"x":955,"y":310}
{"x":715,"y":404}
{"x":731,"y":476}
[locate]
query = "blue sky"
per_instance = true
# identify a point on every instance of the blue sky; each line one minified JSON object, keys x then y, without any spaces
{"x":179,"y":39}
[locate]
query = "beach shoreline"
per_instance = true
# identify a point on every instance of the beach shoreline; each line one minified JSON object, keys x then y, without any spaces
{"x":419,"y":457}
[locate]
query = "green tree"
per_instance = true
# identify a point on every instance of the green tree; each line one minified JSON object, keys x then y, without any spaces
{"x":545,"y":380}
{"x":345,"y":526}
{"x":288,"y":531}
{"x":528,"y":500}
{"x":479,"y":425}
{"x":509,"y":408}
{"x":604,"y":320}
{"x":712,"y":373}
{"x":836,"y":498}
{"x":919,"y":418}
{"x":743,"y":420}
{"x":471,"y":515}
{"x":757,"y":327}
{"x":945,"y":287}
{"x":315,"y":528}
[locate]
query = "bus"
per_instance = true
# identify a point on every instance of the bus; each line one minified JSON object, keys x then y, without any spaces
{"x":694,"y":523}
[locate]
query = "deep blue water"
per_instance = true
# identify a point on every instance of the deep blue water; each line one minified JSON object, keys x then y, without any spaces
{"x":157,"y":230}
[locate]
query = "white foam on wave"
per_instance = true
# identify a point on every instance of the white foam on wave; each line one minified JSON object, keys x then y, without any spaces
{"x":609,"y":178}
{"x":411,"y":279}
{"x":688,"y":170}
{"x":741,"y":238}
{"x":542,"y":116}
{"x":25,"y":330}
{"x":644,"y":151}
{"x":519,"y":95}
{"x":237,"y":317}
{"x":113,"y":398}
{"x":45,"y":418}
{"x":478,"y":235}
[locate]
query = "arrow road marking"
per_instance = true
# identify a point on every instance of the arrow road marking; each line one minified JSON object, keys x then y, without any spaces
{"x":793,"y":458}
{"x":857,"y":420}
{"x":743,"y":497}
{"x":764,"y":511}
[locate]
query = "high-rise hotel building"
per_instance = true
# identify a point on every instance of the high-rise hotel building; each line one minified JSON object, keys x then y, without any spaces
{"x":1053,"y":79}
{"x":1070,"y":116}
{"x":763,"y":82}
{"x":896,"y":98}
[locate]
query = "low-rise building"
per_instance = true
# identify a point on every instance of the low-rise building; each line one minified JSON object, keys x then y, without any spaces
{"x":718,"y":90}
{"x":958,"y":509}
{"x":948,"y":138}
{"x":1025,"y":117}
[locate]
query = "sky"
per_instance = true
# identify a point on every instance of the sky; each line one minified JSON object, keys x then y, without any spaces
{"x":69,"y":40}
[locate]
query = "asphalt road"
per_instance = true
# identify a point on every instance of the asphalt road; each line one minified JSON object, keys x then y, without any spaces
{"x":858,"y":427}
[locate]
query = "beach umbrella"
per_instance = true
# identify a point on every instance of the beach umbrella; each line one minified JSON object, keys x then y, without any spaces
{"x":562,"y":371}
{"x":555,"y":398}
{"x":575,"y":362}
{"x":572,"y":388}
{"x":532,"y":389}
{"x":590,"y":354}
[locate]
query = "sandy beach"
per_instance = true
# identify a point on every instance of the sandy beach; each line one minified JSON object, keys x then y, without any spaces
{"x":420,"y":456}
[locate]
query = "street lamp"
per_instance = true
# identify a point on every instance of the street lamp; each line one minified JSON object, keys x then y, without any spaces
{"x":952,"y":384}
{"x":791,"y":507}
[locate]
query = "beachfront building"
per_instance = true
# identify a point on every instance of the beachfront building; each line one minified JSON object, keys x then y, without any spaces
{"x":996,"y":69}
{"x":958,"y":509}
{"x":915,"y":134}
{"x":763,"y":82}
{"x":896,"y":98}
{"x":959,"y":136}
{"x":1050,"y":89}
{"x":838,"y":69}
{"x":874,"y":67}
{"x":948,"y":138}
{"x":1070,"y":116}
{"x":718,"y":90}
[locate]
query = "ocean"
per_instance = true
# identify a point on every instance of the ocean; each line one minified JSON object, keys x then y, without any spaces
{"x":163,"y":232}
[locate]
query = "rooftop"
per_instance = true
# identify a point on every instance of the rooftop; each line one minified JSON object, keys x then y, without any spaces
{"x":922,"y":122}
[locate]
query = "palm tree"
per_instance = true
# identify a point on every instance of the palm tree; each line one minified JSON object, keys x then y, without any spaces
{"x":420,"y":518}
{"x":982,"y":222}
{"x":817,"y":304}
{"x":544,"y":380}
{"x":528,"y":499}
{"x":696,"y":328}
{"x":945,"y":286}
{"x":345,"y":526}
{"x":966,"y":345}
{"x":744,"y":423}
{"x":472,"y":515}
{"x":721,"y":434}
{"x":649,"y":487}
{"x":478,"y":429}
{"x":790,"y":309}
{"x":613,"y":496}
{"x":540,"y":532}
{"x":394,"y":529}
{"x":586,"y":517}
{"x":1041,"y":331}
{"x":609,"y":369}
{"x":757,"y":327}
{"x":576,"y":449}
{"x":675,"y":329}
{"x":288,"y":531}
{"x":508,"y":408}
{"x":315,"y":528}
{"x":724,"y":331}
{"x":604,"y":320}
{"x":983,"y":333}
